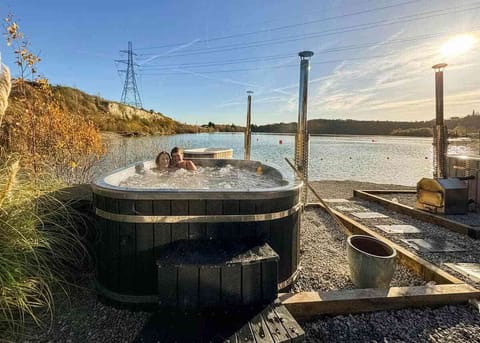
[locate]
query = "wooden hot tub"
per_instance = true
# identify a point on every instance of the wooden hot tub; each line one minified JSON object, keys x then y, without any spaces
{"x":135,"y":224}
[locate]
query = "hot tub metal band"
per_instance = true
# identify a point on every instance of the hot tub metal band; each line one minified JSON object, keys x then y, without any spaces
{"x":226,"y":218}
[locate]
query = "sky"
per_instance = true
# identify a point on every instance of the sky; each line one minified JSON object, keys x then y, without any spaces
{"x":196,"y":59}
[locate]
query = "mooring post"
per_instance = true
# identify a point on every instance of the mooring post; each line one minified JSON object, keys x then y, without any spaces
{"x":301,"y":138}
{"x":248,"y":132}
{"x":440,"y":134}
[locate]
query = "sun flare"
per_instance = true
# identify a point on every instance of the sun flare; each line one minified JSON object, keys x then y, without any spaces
{"x":458,"y":45}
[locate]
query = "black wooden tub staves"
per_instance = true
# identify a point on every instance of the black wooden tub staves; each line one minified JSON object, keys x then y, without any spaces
{"x":201,"y":274}
{"x":135,"y":224}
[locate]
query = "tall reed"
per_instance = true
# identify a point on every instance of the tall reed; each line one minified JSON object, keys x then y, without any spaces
{"x":40,"y":248}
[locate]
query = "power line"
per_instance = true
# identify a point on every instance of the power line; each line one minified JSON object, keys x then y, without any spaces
{"x":358,"y":27}
{"x":284,"y":26}
{"x":273,"y":57}
{"x":273,"y":67}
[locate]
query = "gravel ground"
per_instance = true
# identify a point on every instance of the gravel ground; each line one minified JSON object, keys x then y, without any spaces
{"x":324,"y":265}
{"x":83,"y":319}
{"x":449,"y":324}
{"x":459,"y":323}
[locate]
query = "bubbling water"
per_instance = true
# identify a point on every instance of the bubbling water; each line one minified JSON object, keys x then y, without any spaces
{"x":207,"y":178}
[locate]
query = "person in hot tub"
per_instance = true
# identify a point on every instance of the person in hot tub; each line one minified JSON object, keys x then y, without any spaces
{"x":179,"y":162}
{"x":163,"y":161}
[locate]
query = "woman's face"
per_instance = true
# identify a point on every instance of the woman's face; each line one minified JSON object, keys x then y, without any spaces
{"x":163,"y":161}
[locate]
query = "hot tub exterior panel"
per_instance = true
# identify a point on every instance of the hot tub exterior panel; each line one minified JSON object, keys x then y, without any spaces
{"x":127,"y":252}
{"x":111,"y":245}
{"x":128,"y":249}
{"x":209,"y":286}
{"x":197,"y":230}
{"x":145,"y":256}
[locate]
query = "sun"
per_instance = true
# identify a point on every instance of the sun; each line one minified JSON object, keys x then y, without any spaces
{"x":458,"y":45}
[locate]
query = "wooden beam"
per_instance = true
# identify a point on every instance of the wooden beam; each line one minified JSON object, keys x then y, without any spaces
{"x":389,"y":191}
{"x":417,"y":214}
{"x":307,"y":305}
{"x":426,"y":270}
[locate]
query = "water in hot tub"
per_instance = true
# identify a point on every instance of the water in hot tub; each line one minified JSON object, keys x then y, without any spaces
{"x":219,"y":178}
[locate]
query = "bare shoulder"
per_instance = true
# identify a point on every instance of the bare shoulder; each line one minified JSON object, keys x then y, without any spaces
{"x":190,"y":165}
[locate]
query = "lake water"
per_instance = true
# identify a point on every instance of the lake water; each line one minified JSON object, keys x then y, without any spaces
{"x":379,"y":159}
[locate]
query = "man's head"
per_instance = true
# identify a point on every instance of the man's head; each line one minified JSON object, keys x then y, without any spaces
{"x":177,"y":155}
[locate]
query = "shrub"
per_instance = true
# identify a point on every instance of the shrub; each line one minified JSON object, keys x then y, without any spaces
{"x":39,"y":246}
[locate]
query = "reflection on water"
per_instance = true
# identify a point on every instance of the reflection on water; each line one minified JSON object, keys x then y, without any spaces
{"x":225,"y":178}
{"x":379,"y":159}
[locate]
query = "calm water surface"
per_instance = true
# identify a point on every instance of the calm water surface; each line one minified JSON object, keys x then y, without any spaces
{"x":379,"y":159}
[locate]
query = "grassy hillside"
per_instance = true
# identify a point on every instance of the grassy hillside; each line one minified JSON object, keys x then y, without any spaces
{"x":107,"y":115}
{"x":114,"y":116}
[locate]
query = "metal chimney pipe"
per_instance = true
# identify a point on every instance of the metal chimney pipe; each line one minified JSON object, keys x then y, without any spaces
{"x":301,"y":138}
{"x":248,"y":132}
{"x":440,"y":134}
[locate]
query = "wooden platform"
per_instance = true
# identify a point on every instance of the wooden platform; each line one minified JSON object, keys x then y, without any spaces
{"x":272,"y":324}
{"x":307,"y":305}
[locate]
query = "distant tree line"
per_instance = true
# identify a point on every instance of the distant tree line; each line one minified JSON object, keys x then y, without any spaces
{"x":459,"y":126}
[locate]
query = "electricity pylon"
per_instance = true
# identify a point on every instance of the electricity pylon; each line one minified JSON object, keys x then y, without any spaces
{"x":130,"y":93}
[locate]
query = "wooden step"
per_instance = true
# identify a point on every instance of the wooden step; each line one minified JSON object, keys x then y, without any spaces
{"x":270,"y":324}
{"x":200,"y":274}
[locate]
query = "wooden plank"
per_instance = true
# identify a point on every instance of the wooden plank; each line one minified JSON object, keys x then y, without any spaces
{"x":233,"y":339}
{"x":196,"y":230}
{"x":113,"y":254}
{"x":289,"y":323}
{"x":389,"y":191}
{"x":126,"y":206}
{"x":260,"y":330}
{"x":101,"y":250}
{"x":275,"y":327}
{"x":295,"y":239}
{"x":423,"y":268}
{"x":263,"y":227}
{"x":214,"y":207}
{"x":282,"y":248}
{"x":145,"y":259}
{"x":144,"y":207}
{"x":230,"y":230}
{"x":126,"y":271}
{"x":162,"y":232}
{"x":188,"y":286}
{"x":245,"y":334}
{"x":167,"y":286}
{"x":306,"y":305}
{"x":209,"y":292}
{"x":269,"y":280}
{"x":146,"y":270}
{"x":179,"y":231}
{"x":418,"y":214}
{"x":231,"y":281}
{"x":251,"y":283}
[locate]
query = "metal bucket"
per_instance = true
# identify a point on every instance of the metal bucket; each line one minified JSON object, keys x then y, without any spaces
{"x":372,"y":262}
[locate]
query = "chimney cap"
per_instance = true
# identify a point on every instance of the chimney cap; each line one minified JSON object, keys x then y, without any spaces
{"x":305,"y":54}
{"x":249,"y":92}
{"x":439,"y":66}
